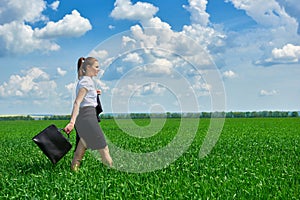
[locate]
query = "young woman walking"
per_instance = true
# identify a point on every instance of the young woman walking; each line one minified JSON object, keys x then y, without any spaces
{"x":84,"y":116}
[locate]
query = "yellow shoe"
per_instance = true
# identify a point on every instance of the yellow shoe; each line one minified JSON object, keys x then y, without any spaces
{"x":75,"y":167}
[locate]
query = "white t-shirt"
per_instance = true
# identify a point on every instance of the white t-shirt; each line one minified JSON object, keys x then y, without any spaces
{"x":90,"y":98}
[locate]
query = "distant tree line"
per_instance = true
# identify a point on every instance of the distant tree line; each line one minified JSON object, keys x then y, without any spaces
{"x":57,"y":117}
{"x":11,"y":118}
{"x":253,"y":114}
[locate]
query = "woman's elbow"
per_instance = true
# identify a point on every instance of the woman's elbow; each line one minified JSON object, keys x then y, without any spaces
{"x":76,"y":103}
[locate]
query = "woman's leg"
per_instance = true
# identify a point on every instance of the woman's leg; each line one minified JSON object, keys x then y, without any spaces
{"x":105,"y":156}
{"x":78,"y":155}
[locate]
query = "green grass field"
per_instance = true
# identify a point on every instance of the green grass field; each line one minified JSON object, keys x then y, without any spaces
{"x":253,"y":159}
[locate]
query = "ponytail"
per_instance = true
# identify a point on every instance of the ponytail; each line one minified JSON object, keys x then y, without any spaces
{"x":79,"y":66}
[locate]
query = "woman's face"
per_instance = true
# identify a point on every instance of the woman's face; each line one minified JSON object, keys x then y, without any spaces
{"x":93,"y":70}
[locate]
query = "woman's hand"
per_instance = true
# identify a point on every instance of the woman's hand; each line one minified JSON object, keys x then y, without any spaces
{"x":69,"y":127}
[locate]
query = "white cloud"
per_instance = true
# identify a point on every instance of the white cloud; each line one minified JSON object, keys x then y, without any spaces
{"x":229,"y":74}
{"x":205,"y":36}
{"x":288,"y":53}
{"x":197,"y":8}
{"x":202,"y":88}
{"x":139,"y":90}
{"x":124,"y":9}
{"x":61,"y":72}
{"x":133,"y":57}
{"x":101,"y":85}
{"x":259,"y":45}
{"x":292,"y":7}
{"x":128,"y":40}
{"x":152,"y":88}
{"x":267,"y":13}
{"x":71,"y":87}
{"x":33,"y":91}
{"x":161,"y":36}
{"x":120,"y":70}
{"x":144,"y":40}
{"x":19,"y":10}
{"x":191,"y":46}
{"x":156,"y":22}
{"x":100,"y":54}
{"x":290,"y":4}
{"x":111,"y":27}
{"x":18,"y":37}
{"x":72,"y":25}
{"x":160,"y":66}
{"x":124,"y":90}
{"x":54,"y":5}
{"x":33,"y":83}
{"x":185,"y":43}
{"x":268,"y":93}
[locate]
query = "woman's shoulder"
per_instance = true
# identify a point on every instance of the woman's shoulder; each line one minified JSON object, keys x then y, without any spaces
{"x":85,"y":81}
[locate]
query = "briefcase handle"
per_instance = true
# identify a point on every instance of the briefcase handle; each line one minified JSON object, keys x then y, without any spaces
{"x":62,"y":130}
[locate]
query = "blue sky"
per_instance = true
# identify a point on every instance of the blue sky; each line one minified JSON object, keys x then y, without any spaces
{"x":155,"y":55}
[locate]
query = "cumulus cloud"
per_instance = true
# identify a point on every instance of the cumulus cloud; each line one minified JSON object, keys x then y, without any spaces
{"x":202,"y":88}
{"x":100,"y":54}
{"x":101,"y":85}
{"x":54,"y":5}
{"x":292,"y":7}
{"x":160,"y":66}
{"x":72,"y":25}
{"x":288,"y":54}
{"x":229,"y":74}
{"x":17,"y":35}
{"x":133,"y":57}
{"x":197,"y":8}
{"x":111,"y":27}
{"x":120,"y":70}
{"x":34,"y":83}
{"x":124,"y":9}
{"x":61,"y":72}
{"x":157,"y":23}
{"x":275,"y":28}
{"x":163,"y":36}
{"x":143,"y":39}
{"x":191,"y":45}
{"x":152,"y":88}
{"x":267,"y":13}
{"x":70,"y":87}
{"x":128,"y":41}
{"x":33,"y":91}
{"x":124,"y":90}
{"x":19,"y":10}
{"x":200,"y":30}
{"x":268,"y":93}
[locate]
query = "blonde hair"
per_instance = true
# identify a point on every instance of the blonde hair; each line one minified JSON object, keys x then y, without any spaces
{"x":82,"y":65}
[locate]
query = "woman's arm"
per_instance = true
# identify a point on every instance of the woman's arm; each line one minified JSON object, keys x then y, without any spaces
{"x":81,"y":94}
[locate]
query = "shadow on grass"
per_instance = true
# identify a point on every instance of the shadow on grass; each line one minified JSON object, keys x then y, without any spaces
{"x":40,"y":166}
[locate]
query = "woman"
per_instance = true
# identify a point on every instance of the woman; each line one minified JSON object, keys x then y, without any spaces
{"x":84,"y":117}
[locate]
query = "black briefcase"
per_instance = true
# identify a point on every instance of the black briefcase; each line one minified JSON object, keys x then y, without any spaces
{"x":53,"y":144}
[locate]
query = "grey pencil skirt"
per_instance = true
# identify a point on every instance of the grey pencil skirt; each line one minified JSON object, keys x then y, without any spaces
{"x":88,"y":128}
